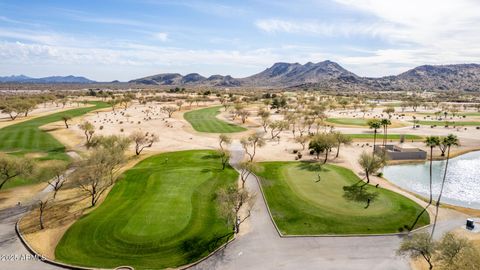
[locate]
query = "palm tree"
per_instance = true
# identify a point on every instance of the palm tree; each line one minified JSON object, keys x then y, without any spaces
{"x":432,"y":142}
{"x":449,"y":141}
{"x":374,"y":124}
{"x":385,"y":123}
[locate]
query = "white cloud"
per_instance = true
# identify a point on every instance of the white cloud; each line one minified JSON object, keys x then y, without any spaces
{"x":33,"y":36}
{"x":161,"y":36}
{"x":415,"y":33}
{"x":425,"y":32}
{"x":320,"y":28}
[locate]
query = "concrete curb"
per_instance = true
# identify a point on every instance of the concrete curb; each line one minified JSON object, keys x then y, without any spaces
{"x":42,"y":258}
{"x":208,"y":256}
{"x":327,"y":235}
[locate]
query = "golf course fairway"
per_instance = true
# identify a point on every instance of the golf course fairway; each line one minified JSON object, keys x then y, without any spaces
{"x":205,"y":120}
{"x":306,"y":201}
{"x":27,"y":138}
{"x":162,"y":214}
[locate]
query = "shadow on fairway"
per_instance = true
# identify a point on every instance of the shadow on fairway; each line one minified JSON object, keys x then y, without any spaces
{"x":312,"y":166}
{"x":197,"y":247}
{"x":360,"y":194}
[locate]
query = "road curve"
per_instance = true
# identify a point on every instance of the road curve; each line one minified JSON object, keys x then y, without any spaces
{"x":260,"y":248}
{"x":263,"y":248}
{"x":13,"y":254}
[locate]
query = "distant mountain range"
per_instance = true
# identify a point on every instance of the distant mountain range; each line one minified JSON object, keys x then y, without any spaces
{"x":330,"y":75}
{"x":323,"y":75}
{"x":52,"y":79}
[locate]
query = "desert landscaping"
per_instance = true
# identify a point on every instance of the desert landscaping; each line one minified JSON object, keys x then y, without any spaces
{"x":310,"y":154}
{"x":240,"y":135}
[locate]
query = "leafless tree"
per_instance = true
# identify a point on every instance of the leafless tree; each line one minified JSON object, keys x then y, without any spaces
{"x":65,"y":119}
{"x":246,"y":168}
{"x":224,"y":157}
{"x":231,"y":201}
{"x":59,"y":178}
{"x":88,"y":129}
{"x":11,"y":167}
{"x":276,"y":127}
{"x":42,"y":206}
{"x":224,"y":139}
{"x":253,"y":141}
{"x":143,"y":140}
{"x":169,"y":110}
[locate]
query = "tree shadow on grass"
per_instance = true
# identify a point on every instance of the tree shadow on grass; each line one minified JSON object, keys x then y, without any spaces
{"x":312,"y":166}
{"x":411,"y":227}
{"x":197,"y":247}
{"x":211,"y":156}
{"x":360,"y":194}
{"x":208,"y":170}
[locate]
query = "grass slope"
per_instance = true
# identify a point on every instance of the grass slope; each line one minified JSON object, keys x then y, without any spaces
{"x":450,"y":123}
{"x":389,"y":136}
{"x":162,"y":214}
{"x":205,"y":120}
{"x":302,"y":206}
{"x":27,"y":137}
{"x":349,"y":121}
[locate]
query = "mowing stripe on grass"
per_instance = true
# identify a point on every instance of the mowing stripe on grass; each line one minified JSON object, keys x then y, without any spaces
{"x":162,"y":214}
{"x":305,"y":200}
{"x":27,"y":137}
{"x":205,"y":120}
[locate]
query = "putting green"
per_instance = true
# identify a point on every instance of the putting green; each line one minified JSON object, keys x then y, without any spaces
{"x":205,"y":120}
{"x":302,"y":205}
{"x":27,"y":137}
{"x":162,"y":214}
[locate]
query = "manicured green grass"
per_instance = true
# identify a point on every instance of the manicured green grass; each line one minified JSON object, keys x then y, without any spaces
{"x":27,"y":137}
{"x":450,"y":123}
{"x":162,"y":214}
{"x":349,"y":121}
{"x":457,"y":114}
{"x":389,"y":136}
{"x":205,"y":120}
{"x":302,"y":206}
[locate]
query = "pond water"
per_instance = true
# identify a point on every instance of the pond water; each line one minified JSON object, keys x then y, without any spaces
{"x":462,"y":185}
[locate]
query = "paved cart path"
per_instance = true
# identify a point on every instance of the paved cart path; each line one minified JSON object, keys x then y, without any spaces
{"x":10,"y":244}
{"x":263,"y":248}
{"x":260,"y":248}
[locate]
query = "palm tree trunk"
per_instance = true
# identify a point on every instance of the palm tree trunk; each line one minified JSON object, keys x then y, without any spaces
{"x":386,"y":134}
{"x":437,"y":205}
{"x":431,"y":192}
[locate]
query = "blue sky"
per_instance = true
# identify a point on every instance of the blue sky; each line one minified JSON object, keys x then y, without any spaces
{"x":126,"y":39}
